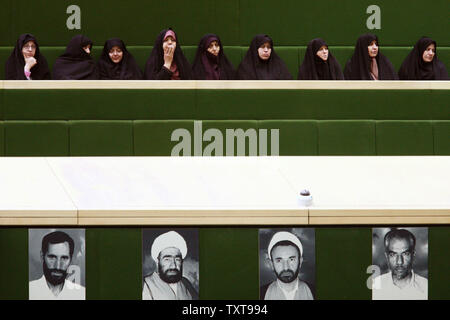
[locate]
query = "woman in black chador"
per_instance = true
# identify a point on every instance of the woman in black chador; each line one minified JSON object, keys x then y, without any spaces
{"x":368,"y":63}
{"x":422,"y":63}
{"x":261,"y":62}
{"x":116,"y":63}
{"x":76,"y":62}
{"x":26,"y":61}
{"x":210,"y":61}
{"x":167,"y":61}
{"x":319,"y":63}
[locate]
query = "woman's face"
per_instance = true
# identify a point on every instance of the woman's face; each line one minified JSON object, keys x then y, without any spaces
{"x":373,"y":49}
{"x":116,"y":54}
{"x":169,"y":42}
{"x":264,"y":51}
{"x":428,"y":54}
{"x":87,"y":49}
{"x":214,"y":48}
{"x":322,"y":53}
{"x":29,"y":49}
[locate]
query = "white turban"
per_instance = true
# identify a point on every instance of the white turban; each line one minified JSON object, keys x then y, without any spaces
{"x":168,"y":240}
{"x":284,"y":236}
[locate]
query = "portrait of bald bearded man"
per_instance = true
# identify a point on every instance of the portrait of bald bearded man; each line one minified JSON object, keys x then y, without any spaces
{"x":166,"y":282}
{"x":60,"y":278}
{"x":285,"y":258}
{"x":401,"y":256}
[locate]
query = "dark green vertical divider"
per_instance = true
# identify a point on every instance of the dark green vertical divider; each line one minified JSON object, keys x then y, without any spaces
{"x":229,"y":264}
{"x":342,"y":258}
{"x":113,"y":263}
{"x":14,"y":264}
{"x":439,"y":263}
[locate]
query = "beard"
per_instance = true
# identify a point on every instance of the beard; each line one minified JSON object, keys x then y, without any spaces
{"x":400,"y":272}
{"x":52,"y":278}
{"x":170,"y":275}
{"x":287,"y":276}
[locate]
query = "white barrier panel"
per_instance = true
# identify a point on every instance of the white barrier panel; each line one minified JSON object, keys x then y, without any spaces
{"x":225,"y":190}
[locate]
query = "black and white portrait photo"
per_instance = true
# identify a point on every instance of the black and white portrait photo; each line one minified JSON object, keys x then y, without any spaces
{"x":287,"y":264}
{"x":170,"y":265}
{"x":56,"y":264}
{"x":402,"y":257}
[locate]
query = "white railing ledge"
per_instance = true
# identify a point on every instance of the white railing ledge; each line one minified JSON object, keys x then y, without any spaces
{"x":226,"y":85}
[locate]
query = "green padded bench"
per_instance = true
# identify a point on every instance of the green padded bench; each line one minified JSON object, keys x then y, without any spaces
{"x":356,"y":137}
{"x":404,"y":138}
{"x":153,"y":137}
{"x":101,"y":138}
{"x":36,"y":138}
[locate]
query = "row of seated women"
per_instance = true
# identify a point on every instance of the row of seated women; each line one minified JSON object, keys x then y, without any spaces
{"x":261,"y":62}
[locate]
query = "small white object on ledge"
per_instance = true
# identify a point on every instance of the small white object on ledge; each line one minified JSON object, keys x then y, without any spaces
{"x":305,"y":198}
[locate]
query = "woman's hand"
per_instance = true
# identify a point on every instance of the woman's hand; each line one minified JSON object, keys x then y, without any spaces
{"x":168,"y":56}
{"x":30,"y":62}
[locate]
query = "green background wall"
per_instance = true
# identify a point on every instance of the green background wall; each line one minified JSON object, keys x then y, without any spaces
{"x":229,"y":268}
{"x":289,"y":22}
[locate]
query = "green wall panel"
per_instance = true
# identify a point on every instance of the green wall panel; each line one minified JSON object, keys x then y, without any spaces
{"x":341,"y":22}
{"x":14,"y":264}
{"x":253,"y":104}
{"x":439,"y":103}
{"x":101,"y":138}
{"x":346,"y":137}
{"x":6,"y":14}
{"x":134,"y":21}
{"x":248,"y":126}
{"x":153,"y":137}
{"x":229,"y":267}
{"x":296,"y":137}
{"x":443,"y":53}
{"x":2,"y":139}
{"x":342,"y":258}
{"x":317,"y":104}
{"x":113,"y":264}
{"x":5,"y":52}
{"x":236,"y":21}
{"x":98,"y":104}
{"x":441,"y":135}
{"x":439,"y":263}
{"x":36,"y":138}
{"x":404,"y":138}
